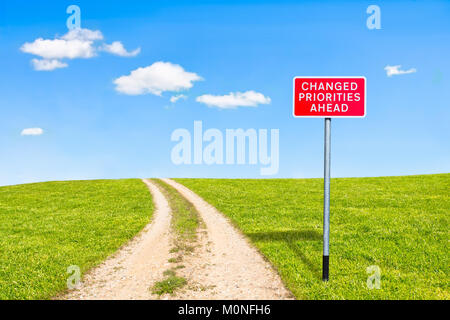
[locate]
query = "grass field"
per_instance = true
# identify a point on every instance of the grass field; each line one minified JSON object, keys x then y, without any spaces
{"x":400,"y":224}
{"x":47,"y":227}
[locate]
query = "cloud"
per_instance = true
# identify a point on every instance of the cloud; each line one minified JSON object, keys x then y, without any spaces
{"x":59,"y":48}
{"x":395,"y":70}
{"x":234,"y":100}
{"x":118,"y":49}
{"x":47,"y":65}
{"x":155,"y":79}
{"x":32,"y":132}
{"x":174,"y":99}
{"x":75,"y":44}
{"x":83,"y":34}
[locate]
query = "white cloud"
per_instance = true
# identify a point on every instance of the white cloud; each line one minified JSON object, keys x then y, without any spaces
{"x":118,"y":49}
{"x":75,"y":44}
{"x":32,"y":132}
{"x":395,"y":70}
{"x":155,"y":79}
{"x":59,"y":48}
{"x":234,"y":100}
{"x":83,"y":34}
{"x":175,"y":98}
{"x":47,"y":65}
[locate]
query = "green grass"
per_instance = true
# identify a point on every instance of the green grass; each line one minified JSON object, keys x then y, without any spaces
{"x":185,"y":219}
{"x":169,"y":285}
{"x":46,"y":227}
{"x":400,"y":224}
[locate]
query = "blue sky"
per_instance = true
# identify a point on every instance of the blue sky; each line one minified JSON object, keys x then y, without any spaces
{"x":93,"y":131}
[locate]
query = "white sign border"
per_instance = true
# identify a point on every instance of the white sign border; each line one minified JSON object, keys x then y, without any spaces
{"x":329,"y":77}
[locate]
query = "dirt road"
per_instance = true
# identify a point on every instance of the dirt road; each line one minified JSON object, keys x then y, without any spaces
{"x":223,"y":264}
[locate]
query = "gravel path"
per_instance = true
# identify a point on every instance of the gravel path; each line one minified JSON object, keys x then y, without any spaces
{"x":130,"y":272}
{"x":225,"y":265}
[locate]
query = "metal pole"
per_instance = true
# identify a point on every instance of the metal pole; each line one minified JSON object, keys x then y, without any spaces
{"x":326,"y":201}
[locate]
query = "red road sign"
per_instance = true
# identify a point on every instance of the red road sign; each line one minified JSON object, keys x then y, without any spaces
{"x":330,"y":97}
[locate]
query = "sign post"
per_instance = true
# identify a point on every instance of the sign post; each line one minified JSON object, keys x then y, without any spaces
{"x":329,"y":97}
{"x":326,"y":200}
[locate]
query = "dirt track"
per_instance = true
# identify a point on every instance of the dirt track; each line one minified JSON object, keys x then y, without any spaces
{"x":223,"y":265}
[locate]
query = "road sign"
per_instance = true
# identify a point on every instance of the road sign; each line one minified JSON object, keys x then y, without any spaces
{"x":330,"y":97}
